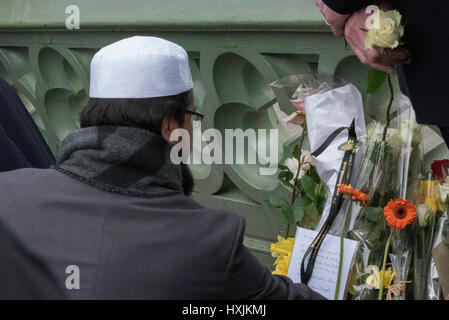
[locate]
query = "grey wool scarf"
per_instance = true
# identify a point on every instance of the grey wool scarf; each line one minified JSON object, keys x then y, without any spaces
{"x":125,"y":160}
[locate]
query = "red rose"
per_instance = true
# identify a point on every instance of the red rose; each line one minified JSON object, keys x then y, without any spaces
{"x":439,"y":168}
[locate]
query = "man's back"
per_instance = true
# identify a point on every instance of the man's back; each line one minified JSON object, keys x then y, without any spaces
{"x":129,"y":247}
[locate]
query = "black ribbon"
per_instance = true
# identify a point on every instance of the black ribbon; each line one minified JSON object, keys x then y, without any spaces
{"x":344,"y":176}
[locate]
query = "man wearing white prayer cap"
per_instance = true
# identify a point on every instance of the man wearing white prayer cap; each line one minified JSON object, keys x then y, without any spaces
{"x":117,"y":208}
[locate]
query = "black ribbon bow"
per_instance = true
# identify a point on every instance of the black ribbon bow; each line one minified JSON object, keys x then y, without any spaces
{"x":344,"y":176}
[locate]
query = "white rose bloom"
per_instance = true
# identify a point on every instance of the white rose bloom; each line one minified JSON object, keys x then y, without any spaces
{"x":293,"y":165}
{"x":423,"y":211}
{"x":411,"y":128}
{"x":386,"y":30}
{"x":444,"y":191}
{"x":393,"y":139}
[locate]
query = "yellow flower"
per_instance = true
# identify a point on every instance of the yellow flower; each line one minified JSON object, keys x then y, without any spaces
{"x":386,"y":30}
{"x":282,"y":250}
{"x":430,"y":188}
{"x":374,"y":278}
{"x":432,"y":202}
{"x":282,"y":264}
{"x":431,"y":191}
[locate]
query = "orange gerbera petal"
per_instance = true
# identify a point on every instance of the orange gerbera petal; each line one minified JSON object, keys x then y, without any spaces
{"x":399,"y":213}
{"x":364,"y":199}
{"x":357,"y":195}
{"x":345,"y":188}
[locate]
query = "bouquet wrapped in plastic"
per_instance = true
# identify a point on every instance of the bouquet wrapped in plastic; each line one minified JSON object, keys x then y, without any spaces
{"x":389,"y":170}
{"x":432,"y":229}
{"x":315,"y":100}
{"x":441,"y":232}
{"x":428,"y":207}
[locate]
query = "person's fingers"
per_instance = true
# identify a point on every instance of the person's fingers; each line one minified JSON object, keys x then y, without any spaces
{"x":363,"y":59}
{"x":338,"y":31}
{"x":335,"y":21}
{"x":382,"y":67}
{"x":387,"y":57}
{"x":366,"y":60}
{"x":396,"y":56}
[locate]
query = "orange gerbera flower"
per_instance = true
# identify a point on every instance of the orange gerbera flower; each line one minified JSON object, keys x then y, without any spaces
{"x":364,"y":199}
{"x":345,"y":188}
{"x":399,"y":213}
{"x":357,"y":195}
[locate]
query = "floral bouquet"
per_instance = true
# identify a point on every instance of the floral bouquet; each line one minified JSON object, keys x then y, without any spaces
{"x":432,"y":229}
{"x":305,"y":204}
{"x":390,"y":168}
{"x":309,"y":177}
{"x":429,"y":205}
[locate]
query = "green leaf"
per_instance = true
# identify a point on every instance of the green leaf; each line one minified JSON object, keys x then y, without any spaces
{"x":306,"y":200}
{"x":364,"y":30}
{"x":287,"y":212}
{"x":376,"y":79}
{"x":374,"y":214}
{"x":314,"y":175}
{"x":276,"y":202}
{"x":298,"y":210}
{"x":282,"y":167}
{"x":287,"y":183}
{"x":296,"y":152}
{"x":311,"y":217}
{"x":308,"y":185}
{"x":285,"y":175}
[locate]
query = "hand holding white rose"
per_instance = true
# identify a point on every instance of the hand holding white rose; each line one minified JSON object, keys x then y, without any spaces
{"x":386,"y":30}
{"x":381,"y":49}
{"x":378,"y":47}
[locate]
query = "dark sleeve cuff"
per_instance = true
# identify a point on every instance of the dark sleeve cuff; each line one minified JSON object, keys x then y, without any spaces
{"x":348,"y":6}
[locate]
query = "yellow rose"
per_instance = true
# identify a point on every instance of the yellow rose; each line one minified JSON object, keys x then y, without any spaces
{"x":430,"y":188}
{"x":432,"y":203}
{"x":433,"y":196}
{"x":386,"y":30}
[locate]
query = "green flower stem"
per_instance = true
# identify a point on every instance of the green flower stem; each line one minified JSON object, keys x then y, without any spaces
{"x":387,"y":124}
{"x":288,"y":230}
{"x":342,"y":242}
{"x":423,"y":240}
{"x":381,"y":282}
{"x":295,"y":183}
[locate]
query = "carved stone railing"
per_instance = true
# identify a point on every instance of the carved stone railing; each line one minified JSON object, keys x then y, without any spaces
{"x":236,"y":49}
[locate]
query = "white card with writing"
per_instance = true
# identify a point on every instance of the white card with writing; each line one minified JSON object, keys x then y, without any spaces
{"x":324,"y":276}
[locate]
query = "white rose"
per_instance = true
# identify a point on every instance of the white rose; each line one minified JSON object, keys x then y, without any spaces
{"x":411,"y":130}
{"x":444,"y":191}
{"x":386,"y":30}
{"x":423,"y":211}
{"x":375,"y":131}
{"x":306,"y":160}
{"x":293,"y":165}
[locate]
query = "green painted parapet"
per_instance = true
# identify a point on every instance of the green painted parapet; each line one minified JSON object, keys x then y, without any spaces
{"x":236,"y":48}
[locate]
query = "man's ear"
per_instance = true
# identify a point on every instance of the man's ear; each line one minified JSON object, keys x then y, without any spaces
{"x":169,"y":124}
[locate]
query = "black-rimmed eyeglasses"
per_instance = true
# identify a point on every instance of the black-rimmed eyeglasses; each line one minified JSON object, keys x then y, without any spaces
{"x":196,"y":117}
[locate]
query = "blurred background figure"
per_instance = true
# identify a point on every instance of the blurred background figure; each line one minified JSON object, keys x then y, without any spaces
{"x":21,"y":143}
{"x":22,"y":275}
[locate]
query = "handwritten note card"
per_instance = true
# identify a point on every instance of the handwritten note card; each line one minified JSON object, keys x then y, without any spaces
{"x":324,"y":276}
